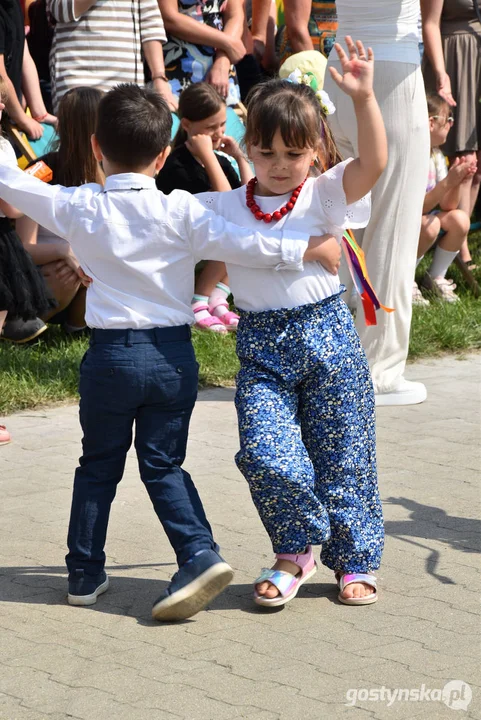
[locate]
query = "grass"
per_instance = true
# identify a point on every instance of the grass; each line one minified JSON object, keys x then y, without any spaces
{"x":47,"y":372}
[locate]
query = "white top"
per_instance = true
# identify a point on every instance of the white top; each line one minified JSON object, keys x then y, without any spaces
{"x":102,"y":47}
{"x":7,"y":157}
{"x":389,"y":27}
{"x":140,"y":246}
{"x":320,"y":208}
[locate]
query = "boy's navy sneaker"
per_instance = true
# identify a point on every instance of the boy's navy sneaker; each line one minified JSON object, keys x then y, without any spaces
{"x":194,"y":585}
{"x":84,"y":589}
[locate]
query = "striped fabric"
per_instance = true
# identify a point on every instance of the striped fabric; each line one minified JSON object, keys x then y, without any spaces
{"x":102,"y":47}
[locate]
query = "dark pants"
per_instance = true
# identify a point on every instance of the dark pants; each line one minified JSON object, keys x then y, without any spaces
{"x":150,"y":377}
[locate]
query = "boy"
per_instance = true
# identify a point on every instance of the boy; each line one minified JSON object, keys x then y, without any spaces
{"x":140,"y":247}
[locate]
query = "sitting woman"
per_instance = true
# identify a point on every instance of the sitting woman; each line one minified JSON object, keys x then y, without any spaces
{"x":72,"y":163}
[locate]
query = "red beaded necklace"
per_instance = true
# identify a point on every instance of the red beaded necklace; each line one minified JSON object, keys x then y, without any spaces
{"x":278,"y":214}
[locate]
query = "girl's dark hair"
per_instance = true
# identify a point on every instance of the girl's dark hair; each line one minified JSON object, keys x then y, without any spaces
{"x":294,"y":110}
{"x":436,"y":104}
{"x":77,"y":119}
{"x":198,"y":101}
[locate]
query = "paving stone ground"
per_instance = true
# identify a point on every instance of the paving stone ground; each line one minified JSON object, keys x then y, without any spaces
{"x":315,"y":658}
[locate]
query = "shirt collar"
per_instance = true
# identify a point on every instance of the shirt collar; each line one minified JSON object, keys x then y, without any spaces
{"x":129,"y":181}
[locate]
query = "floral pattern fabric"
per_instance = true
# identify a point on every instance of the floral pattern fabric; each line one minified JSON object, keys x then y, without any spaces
{"x":305,"y":406}
{"x":186,"y":62}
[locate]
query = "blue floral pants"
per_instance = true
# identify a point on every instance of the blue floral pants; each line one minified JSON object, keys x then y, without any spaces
{"x":305,"y":406}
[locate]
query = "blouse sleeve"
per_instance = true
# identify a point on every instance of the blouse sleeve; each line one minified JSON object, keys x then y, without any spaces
{"x":333,"y":200}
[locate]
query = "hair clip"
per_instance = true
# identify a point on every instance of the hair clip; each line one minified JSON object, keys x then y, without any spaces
{"x":299,"y":78}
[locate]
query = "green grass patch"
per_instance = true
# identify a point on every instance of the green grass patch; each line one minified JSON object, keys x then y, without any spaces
{"x":47,"y":372}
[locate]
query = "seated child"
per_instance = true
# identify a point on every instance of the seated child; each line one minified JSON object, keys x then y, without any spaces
{"x":72,"y":163}
{"x":140,"y":249}
{"x":195,"y":166}
{"x":443,"y":191}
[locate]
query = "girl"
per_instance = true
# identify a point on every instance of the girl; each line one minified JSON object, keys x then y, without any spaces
{"x":72,"y":163}
{"x":304,"y":399}
{"x":23,"y":295}
{"x":444,"y":189}
{"x":196,"y":167}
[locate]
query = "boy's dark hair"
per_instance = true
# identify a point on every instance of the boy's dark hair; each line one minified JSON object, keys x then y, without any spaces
{"x":133,"y":125}
{"x":436,"y":104}
{"x":294,"y":110}
{"x":198,"y":101}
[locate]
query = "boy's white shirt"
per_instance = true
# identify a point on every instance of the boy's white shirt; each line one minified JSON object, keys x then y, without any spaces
{"x":320,"y":208}
{"x":140,"y":246}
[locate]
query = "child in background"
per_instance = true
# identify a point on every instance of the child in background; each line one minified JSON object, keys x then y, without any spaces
{"x":304,"y":398}
{"x":195,"y":166}
{"x":443,"y":190}
{"x":72,"y":163}
{"x":23,"y":295}
{"x":139,"y":247}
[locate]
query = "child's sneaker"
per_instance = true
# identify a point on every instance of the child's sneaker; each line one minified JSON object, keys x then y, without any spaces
{"x":22,"y":331}
{"x":442,"y":287}
{"x":194,"y":585}
{"x":418,"y":298}
{"x":4,"y":435}
{"x":84,"y":589}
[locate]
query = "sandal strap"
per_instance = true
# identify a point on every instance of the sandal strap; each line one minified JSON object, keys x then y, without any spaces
{"x":198,"y":306}
{"x":283,"y":581}
{"x":217,"y":302}
{"x":345,"y":579}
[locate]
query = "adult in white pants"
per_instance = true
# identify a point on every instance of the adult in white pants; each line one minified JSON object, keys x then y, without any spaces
{"x":390,"y":240}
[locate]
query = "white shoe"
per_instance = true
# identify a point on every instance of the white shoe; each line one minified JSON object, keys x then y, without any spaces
{"x":407,"y":393}
{"x":418,"y":298}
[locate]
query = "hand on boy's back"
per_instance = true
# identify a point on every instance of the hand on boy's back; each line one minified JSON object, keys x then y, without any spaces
{"x":200,"y":146}
{"x":326,"y":250}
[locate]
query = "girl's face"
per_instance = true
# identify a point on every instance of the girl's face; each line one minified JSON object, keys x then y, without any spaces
{"x":280,"y":169}
{"x":214,"y":126}
{"x":440,"y":125}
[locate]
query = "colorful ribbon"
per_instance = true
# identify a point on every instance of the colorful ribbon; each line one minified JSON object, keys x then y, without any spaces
{"x":357,"y":267}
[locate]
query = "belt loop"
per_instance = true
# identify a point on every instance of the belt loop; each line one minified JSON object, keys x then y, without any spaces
{"x":92,"y":336}
{"x":189,"y":332}
{"x":157,"y":334}
{"x":128,"y":338}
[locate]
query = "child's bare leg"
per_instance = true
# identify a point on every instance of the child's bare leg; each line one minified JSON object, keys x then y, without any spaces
{"x":63,"y":288}
{"x":76,"y":309}
{"x":210,"y":275}
{"x":430,"y":228}
{"x":455,"y":223}
{"x":3,"y":315}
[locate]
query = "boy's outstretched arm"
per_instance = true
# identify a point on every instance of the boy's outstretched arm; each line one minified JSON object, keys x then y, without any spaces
{"x":211,"y":237}
{"x":48,"y":205}
{"x":361,"y":175}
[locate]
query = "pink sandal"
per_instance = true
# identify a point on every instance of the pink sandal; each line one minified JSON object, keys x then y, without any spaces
{"x":208,"y":323}
{"x":229,"y":319}
{"x":287,"y":584}
{"x":4,"y":435}
{"x":345,"y":579}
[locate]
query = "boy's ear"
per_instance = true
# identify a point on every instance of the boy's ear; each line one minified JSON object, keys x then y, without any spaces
{"x":96,"y":148}
{"x":161,"y":158}
{"x":185,"y":125}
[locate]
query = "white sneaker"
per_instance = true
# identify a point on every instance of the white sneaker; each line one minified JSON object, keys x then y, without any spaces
{"x":418,"y":298}
{"x":407,"y":393}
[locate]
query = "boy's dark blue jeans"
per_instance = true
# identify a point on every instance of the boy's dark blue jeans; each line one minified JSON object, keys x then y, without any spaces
{"x":147,"y":378}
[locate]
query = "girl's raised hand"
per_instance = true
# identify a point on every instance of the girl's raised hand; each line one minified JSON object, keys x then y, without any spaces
{"x":200,"y":145}
{"x":358,"y":70}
